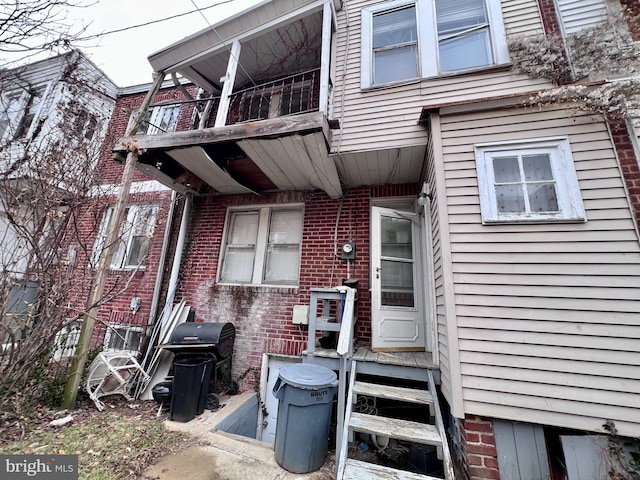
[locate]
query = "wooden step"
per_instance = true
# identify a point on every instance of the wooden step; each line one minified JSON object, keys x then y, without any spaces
{"x":403,"y":394}
{"x":394,"y":428}
{"x":357,"y":470}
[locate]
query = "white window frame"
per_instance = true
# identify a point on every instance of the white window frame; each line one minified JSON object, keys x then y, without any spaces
{"x":150,"y":125}
{"x":428,"y":46}
{"x":262,"y":238}
{"x":126,"y":333}
{"x":569,"y":198}
{"x":126,"y":237}
{"x":16,"y":116}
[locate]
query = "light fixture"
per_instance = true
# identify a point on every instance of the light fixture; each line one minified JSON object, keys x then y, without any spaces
{"x":422,"y":198}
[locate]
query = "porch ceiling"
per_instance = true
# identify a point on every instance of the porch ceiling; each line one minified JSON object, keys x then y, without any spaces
{"x":286,"y":153}
{"x":278,"y":38}
{"x":383,"y":166}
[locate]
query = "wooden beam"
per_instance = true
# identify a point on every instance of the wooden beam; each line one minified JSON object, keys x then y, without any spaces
{"x":325,"y":58}
{"x":289,"y":125}
{"x":227,"y":89}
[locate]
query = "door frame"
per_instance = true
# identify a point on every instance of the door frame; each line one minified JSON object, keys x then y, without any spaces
{"x":423,"y":276}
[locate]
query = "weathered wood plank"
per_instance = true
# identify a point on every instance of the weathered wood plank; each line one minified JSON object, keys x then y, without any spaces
{"x":390,"y":392}
{"x":358,"y":470}
{"x":400,"y":429}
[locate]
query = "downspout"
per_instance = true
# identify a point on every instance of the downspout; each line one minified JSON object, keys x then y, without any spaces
{"x":155,"y":299}
{"x":177,"y":259}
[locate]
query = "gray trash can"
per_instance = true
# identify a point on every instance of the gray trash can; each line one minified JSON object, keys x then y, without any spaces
{"x":305,"y":393}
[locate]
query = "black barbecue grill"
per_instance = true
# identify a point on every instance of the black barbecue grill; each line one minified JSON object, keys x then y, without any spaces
{"x":206,"y":339}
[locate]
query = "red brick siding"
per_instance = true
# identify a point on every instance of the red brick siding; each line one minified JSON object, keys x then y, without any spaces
{"x":549,"y":17}
{"x":629,"y":166}
{"x":262,"y":315}
{"x":478,"y":443}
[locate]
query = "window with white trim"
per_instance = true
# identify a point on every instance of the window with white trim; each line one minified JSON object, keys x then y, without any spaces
{"x":262,"y":246}
{"x":528,"y":181}
{"x":19,"y":112}
{"x":403,"y":40}
{"x":158,"y":119}
{"x":121,"y":337}
{"x":134,"y":239}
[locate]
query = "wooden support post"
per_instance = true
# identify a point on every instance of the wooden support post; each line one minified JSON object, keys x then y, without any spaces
{"x":104,"y":264}
{"x":325,"y":57}
{"x":227,"y":88}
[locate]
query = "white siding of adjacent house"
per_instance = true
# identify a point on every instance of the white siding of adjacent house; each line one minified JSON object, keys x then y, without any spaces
{"x":546,"y":316}
{"x":579,"y":14}
{"x":387,"y":117}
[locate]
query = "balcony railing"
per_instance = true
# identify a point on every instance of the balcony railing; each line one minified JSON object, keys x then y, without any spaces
{"x":290,"y":95}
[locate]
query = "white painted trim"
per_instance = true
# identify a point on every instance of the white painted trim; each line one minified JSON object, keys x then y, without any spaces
{"x":456,"y":400}
{"x":227,"y":88}
{"x":325,"y":61}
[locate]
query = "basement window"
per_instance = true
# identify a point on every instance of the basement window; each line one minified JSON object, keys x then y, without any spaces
{"x":262,"y":246}
{"x":528,"y":181}
{"x":123,"y":338}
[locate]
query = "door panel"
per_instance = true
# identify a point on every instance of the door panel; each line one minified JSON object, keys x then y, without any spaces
{"x":396,"y":298}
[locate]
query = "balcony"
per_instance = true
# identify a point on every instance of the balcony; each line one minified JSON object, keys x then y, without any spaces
{"x":260,"y":122}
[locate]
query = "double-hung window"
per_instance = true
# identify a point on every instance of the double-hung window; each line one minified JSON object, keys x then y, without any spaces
{"x":158,"y":119}
{"x":529,"y":181}
{"x":19,"y":112}
{"x":134,"y":239}
{"x":403,"y":40}
{"x":262,"y":246}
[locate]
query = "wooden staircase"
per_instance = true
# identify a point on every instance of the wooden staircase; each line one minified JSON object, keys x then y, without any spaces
{"x":405,"y":430}
{"x":350,"y":366}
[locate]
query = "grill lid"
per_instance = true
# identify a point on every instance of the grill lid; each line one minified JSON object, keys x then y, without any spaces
{"x":214,"y":336}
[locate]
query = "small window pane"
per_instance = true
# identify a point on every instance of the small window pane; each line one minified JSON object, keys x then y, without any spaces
{"x":394,"y":28}
{"x":542,"y":197}
{"x":282,"y":264}
{"x":510,"y":199}
{"x":396,"y":64}
{"x":286,"y":226}
{"x":244,"y":228}
{"x":238,"y":264}
{"x":537,"y":167}
{"x":466,"y":51}
{"x":397,"y":284}
{"x":139,"y":251}
{"x":396,"y":237}
{"x":506,"y":169}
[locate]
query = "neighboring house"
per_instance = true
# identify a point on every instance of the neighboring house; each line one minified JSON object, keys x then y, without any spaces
{"x":52,"y":115}
{"x":138,"y":262}
{"x":496,"y":243}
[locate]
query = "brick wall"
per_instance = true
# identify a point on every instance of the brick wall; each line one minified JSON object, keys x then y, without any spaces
{"x":549,"y":17}
{"x":629,"y":166}
{"x":262,"y":315}
{"x":478,"y":448}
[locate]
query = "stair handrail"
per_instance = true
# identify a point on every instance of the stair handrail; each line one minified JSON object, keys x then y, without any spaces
{"x":344,"y":349}
{"x":446,"y":454}
{"x":341,"y":453}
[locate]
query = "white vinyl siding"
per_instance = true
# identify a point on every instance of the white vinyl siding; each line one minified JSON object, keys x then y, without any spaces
{"x":384,"y":118}
{"x":579,"y":14}
{"x":403,"y":40}
{"x":262,"y":246}
{"x":546,"y":315}
{"x":532,"y":181}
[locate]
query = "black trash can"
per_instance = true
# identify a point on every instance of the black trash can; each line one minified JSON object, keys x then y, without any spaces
{"x":305,"y":393}
{"x":191,"y":376}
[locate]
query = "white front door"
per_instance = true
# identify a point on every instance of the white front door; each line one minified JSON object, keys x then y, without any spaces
{"x":397,"y":317}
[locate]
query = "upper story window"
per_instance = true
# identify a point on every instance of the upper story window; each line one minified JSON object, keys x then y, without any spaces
{"x":19,"y":112}
{"x":262,"y":246}
{"x":134,"y":240}
{"x":158,"y":119}
{"x":529,"y":181}
{"x":403,"y":40}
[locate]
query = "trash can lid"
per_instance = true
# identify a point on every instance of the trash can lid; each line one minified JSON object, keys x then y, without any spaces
{"x":308,"y":376}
